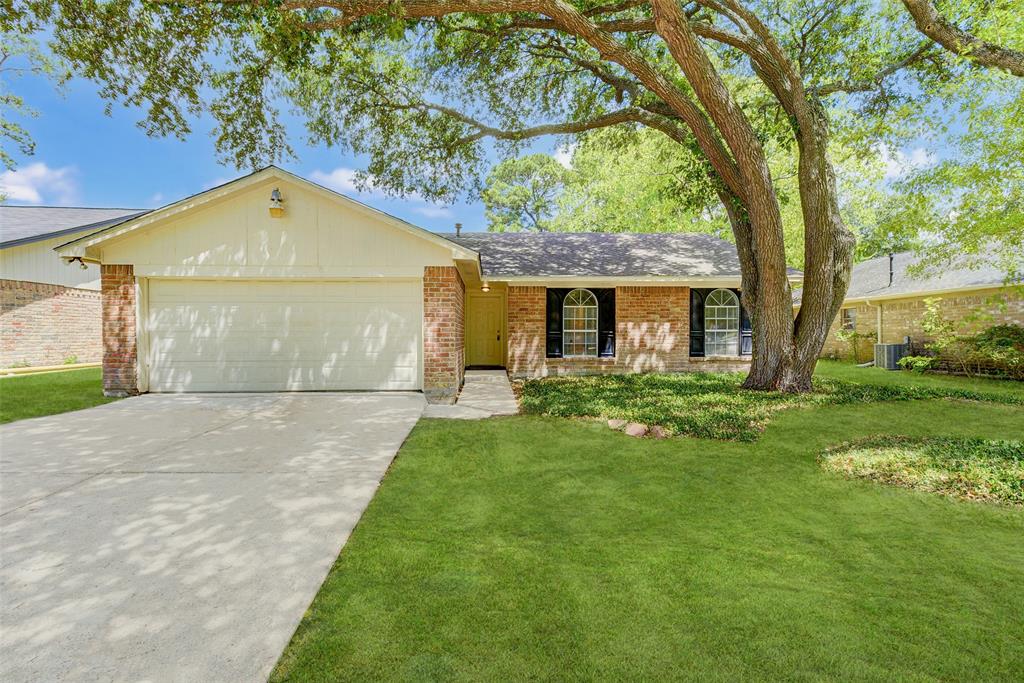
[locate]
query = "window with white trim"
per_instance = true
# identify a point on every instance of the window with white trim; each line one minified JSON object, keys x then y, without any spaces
{"x":722,"y":324}
{"x":579,"y":324}
{"x":849,"y":319}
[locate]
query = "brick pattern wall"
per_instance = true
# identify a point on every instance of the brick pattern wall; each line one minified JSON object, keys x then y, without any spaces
{"x":652,"y":334}
{"x":44,"y":324}
{"x":902,"y":318}
{"x":120,"y":353}
{"x":444,"y":333}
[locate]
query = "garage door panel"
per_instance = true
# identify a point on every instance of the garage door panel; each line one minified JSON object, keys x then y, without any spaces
{"x":275,"y":336}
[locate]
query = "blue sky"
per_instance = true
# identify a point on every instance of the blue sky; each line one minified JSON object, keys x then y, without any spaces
{"x":86,"y":158}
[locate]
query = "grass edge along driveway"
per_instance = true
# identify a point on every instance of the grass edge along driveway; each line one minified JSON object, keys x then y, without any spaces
{"x":50,"y":393}
{"x":543,"y":548}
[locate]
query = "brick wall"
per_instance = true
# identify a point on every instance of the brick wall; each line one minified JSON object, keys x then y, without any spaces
{"x":444,"y":348}
{"x":120,"y":354}
{"x":44,"y":324}
{"x":902,"y":318}
{"x":652,"y":334}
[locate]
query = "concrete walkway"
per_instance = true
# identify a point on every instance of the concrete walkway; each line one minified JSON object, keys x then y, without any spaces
{"x":486,"y":393}
{"x":180,"y":538}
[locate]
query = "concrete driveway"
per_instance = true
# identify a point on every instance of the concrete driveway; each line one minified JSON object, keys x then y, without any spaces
{"x":180,"y":538}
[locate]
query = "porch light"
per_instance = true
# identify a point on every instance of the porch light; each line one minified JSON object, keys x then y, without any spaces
{"x":485,"y":287}
{"x":276,"y":204}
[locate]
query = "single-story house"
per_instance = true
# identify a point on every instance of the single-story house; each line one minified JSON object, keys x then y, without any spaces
{"x":271,"y":282}
{"x":49,"y":310}
{"x":886,"y":301}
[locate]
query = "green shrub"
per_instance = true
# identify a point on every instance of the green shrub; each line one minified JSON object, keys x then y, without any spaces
{"x":968,"y":469}
{"x":918,"y":364}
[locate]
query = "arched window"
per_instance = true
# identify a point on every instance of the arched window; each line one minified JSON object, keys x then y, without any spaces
{"x":579,"y":324}
{"x":722,"y":324}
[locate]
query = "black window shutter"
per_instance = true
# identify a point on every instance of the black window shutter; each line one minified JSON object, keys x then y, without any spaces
{"x":697,"y":322}
{"x":605,"y":321}
{"x":554,"y":322}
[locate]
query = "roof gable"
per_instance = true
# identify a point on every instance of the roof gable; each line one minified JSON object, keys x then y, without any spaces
{"x":88,"y":246}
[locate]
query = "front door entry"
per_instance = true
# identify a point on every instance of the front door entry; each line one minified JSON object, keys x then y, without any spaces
{"x":484,"y":329}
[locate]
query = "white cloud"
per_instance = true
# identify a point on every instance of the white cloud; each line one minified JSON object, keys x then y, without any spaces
{"x":343,"y":180}
{"x":38,"y":183}
{"x":563,"y":155}
{"x":434,"y":211}
{"x":157,"y":199}
{"x":900,"y":163}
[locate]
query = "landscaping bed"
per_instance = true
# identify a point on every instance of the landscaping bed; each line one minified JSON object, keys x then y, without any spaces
{"x":968,"y":469}
{"x":713,"y":405}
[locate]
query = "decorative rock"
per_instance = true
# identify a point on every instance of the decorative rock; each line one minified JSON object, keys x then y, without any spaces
{"x":636,"y":429}
{"x":659,"y":432}
{"x":616,"y":424}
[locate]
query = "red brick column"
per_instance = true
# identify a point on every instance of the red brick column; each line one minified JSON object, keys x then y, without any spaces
{"x":527,"y":312}
{"x":120,"y":354}
{"x":444,"y":333}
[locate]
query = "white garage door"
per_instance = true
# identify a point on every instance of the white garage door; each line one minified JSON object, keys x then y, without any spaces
{"x":248,"y":335}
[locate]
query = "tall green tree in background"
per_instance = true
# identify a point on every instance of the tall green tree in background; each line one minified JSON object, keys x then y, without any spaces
{"x":522,"y":193}
{"x":419,"y":85}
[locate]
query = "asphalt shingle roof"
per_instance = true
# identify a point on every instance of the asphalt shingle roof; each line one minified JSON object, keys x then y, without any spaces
{"x":24,"y":224}
{"x":871,"y":278}
{"x":591,"y":254}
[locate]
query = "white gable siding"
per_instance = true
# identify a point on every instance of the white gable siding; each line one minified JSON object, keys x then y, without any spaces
{"x":318,"y":236}
{"x":38,"y":262}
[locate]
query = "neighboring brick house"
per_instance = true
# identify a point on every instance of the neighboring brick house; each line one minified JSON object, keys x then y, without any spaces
{"x":49,"y":310}
{"x":891,"y":310}
{"x":273,"y":283}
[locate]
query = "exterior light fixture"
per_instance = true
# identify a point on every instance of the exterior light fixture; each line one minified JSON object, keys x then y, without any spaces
{"x":485,"y":287}
{"x":276,"y":204}
{"x":83,"y":265}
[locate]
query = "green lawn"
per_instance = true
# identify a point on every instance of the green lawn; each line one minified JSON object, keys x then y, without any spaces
{"x":715,"y":405}
{"x":50,"y":393}
{"x":549,"y":549}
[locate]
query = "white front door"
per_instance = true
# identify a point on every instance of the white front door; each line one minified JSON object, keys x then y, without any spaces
{"x":263,"y":335}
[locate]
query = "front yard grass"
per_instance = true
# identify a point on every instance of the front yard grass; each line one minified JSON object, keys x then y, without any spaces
{"x":538,"y":548}
{"x":714,"y":405}
{"x":50,"y":393}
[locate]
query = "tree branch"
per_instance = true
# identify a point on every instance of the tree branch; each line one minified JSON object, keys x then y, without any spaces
{"x":956,"y":40}
{"x":570,"y":20}
{"x":922,"y":52}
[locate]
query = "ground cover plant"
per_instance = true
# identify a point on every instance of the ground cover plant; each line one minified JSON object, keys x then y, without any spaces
{"x":538,"y":548}
{"x":714,"y":405}
{"x":50,"y":393}
{"x":966,"y":468}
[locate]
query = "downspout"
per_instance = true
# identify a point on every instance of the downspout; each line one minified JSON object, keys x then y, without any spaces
{"x":878,"y":319}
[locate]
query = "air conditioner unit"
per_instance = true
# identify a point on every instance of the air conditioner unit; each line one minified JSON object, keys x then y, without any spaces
{"x":888,"y":356}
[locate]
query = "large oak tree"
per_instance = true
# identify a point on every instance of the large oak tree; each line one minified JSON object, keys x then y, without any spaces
{"x":420,"y":85}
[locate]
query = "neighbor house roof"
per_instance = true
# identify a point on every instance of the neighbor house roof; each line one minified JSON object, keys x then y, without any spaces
{"x":25,"y":224}
{"x":870,"y":279}
{"x":591,"y":254}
